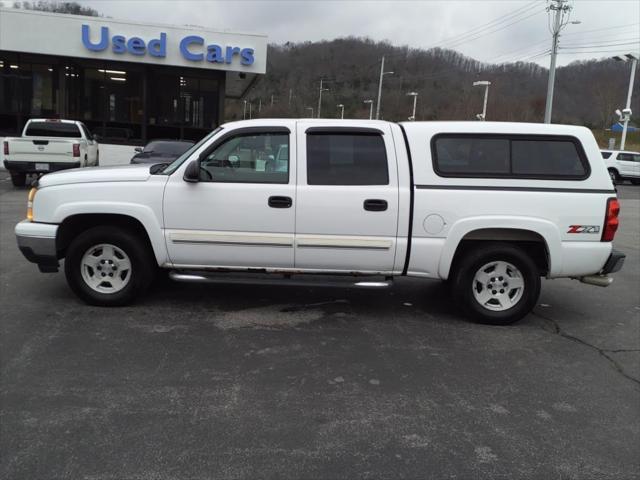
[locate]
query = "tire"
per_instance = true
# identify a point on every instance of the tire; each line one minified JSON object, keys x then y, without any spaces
{"x":505,"y":304}
{"x":615,"y":176}
{"x":18,"y":179}
{"x":109,"y":250}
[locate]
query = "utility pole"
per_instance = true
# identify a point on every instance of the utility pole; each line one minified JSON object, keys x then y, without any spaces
{"x":560,"y":9}
{"x":290,"y":95}
{"x":625,"y":115}
{"x":244,"y":110}
{"x":249,"y":110}
{"x":272,"y":99}
{"x":320,"y":97}
{"x":259,"y":105}
{"x":382,"y":74}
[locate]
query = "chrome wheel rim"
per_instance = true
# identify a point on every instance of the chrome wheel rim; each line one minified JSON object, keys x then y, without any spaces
{"x":105,"y":268}
{"x":498,"y":286}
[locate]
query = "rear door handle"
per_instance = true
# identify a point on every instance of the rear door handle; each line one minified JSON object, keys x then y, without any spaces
{"x":375,"y":205}
{"x":280,"y":202}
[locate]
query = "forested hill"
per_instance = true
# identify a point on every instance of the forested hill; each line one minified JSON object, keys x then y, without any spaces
{"x":587,"y":93}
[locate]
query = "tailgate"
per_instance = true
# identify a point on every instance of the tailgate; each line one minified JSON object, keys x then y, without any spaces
{"x":41,"y":149}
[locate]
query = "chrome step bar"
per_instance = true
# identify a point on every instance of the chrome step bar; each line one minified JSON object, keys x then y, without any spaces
{"x":298,"y":280}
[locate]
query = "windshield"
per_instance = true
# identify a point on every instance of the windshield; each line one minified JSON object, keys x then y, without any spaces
{"x":163,"y":146}
{"x":172,"y":167}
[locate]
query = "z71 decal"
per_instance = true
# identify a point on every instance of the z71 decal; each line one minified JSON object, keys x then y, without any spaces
{"x":584,"y":229}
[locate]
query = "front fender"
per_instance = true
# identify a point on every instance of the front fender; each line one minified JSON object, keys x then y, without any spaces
{"x":143,"y":213}
{"x":461,"y":228}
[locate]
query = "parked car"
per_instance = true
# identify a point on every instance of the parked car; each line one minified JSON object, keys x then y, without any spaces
{"x":489,"y":207}
{"x":161,"y":151}
{"x":49,"y":145}
{"x":622,"y":165}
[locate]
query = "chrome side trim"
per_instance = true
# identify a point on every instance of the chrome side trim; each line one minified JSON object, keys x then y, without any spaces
{"x":331,"y":241}
{"x":240,"y":239}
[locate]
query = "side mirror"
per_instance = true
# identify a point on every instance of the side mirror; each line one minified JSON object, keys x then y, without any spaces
{"x":138,"y":149}
{"x":97,"y":137}
{"x":192,"y":172}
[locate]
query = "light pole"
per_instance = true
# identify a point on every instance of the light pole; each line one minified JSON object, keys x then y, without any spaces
{"x":561,"y":10}
{"x":415,"y":100}
{"x":382,"y":74}
{"x":626,"y":113}
{"x":341,"y":107}
{"x":244,"y":110}
{"x":370,"y":102}
{"x":320,"y":97}
{"x":483,"y":116}
{"x":310,"y":108}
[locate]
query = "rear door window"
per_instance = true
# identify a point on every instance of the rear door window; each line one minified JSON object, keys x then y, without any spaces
{"x":346,"y":158}
{"x":53,"y":129}
{"x":605,"y":155}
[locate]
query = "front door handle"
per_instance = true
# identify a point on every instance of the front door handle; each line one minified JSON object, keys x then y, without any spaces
{"x":375,"y":205}
{"x":280,"y":202}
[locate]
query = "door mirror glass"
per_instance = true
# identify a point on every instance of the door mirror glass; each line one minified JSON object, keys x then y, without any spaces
{"x":192,"y":172}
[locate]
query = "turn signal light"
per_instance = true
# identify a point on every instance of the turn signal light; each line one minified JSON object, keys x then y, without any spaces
{"x":76,"y":149}
{"x":6,"y":147}
{"x":32,"y":194}
{"x":611,"y":220}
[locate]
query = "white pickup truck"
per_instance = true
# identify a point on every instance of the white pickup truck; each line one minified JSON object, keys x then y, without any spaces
{"x":49,"y":145}
{"x":489,"y":207}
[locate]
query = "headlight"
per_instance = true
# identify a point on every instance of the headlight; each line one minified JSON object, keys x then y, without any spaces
{"x":32,"y":195}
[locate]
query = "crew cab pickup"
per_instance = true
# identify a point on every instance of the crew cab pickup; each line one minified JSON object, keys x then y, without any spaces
{"x":622,"y":165}
{"x":488,"y":207}
{"x":49,"y":145}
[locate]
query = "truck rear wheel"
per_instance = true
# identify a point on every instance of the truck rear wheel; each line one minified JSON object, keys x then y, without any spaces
{"x":496,"y":284}
{"x":18,"y":179}
{"x":108,"y":266}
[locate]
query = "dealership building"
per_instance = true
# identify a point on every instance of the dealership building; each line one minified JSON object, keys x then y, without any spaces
{"x":128,"y":82}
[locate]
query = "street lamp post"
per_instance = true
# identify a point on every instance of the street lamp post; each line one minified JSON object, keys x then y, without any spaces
{"x":370,"y":102}
{"x":341,"y":107}
{"x":483,"y":116}
{"x":625,"y":115}
{"x":382,"y":74}
{"x":415,"y":100}
{"x":320,"y":97}
{"x":310,"y":108}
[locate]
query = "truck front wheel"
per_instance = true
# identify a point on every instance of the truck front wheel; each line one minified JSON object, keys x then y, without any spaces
{"x":108,"y":266}
{"x":496,"y":283}
{"x":18,"y":179}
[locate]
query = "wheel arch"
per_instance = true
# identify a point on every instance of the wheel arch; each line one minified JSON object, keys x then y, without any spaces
{"x":74,"y":224}
{"x":540,"y":238}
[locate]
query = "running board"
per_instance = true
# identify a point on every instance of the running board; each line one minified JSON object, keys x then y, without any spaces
{"x":300,"y":280}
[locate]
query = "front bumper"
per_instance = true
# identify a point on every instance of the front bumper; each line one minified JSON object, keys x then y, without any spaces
{"x":30,"y":167}
{"x":37,"y":242}
{"x":614,"y":262}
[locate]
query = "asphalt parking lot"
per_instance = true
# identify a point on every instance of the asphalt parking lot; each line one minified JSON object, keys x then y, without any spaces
{"x":242,"y":381}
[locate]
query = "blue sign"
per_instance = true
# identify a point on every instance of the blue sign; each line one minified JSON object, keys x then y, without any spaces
{"x":192,"y":47}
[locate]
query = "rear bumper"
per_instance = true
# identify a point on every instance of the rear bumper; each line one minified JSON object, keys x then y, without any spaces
{"x":614,"y":262}
{"x":37,"y":242}
{"x":30,"y":167}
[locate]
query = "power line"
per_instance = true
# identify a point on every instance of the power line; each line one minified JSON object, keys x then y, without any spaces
{"x":490,"y":24}
{"x":496,"y":30}
{"x":597,"y":45}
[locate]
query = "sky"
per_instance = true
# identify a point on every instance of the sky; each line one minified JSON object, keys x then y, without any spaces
{"x":493,"y":31}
